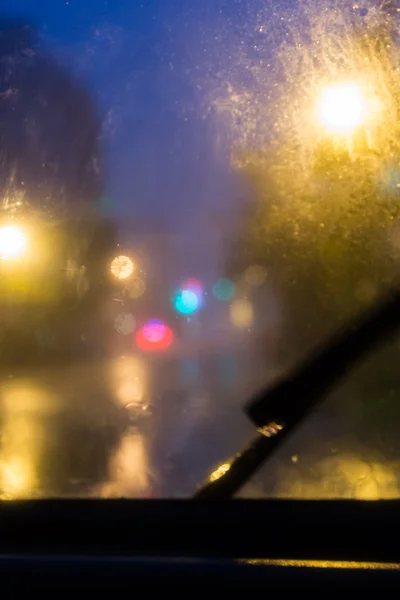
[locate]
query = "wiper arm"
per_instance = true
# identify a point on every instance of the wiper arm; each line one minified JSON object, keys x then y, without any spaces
{"x":277,"y":411}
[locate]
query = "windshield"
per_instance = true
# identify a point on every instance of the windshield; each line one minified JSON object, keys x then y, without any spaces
{"x":193,"y":196}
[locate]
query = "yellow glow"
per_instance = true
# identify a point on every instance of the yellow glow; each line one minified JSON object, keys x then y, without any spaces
{"x":12,"y":242}
{"x":122,"y":267}
{"x":221,"y":470}
{"x":136,"y":288}
{"x":341,"y":107}
{"x":335,"y":476}
{"x":130,"y":380}
{"x":241,"y":313}
{"x":320,"y":564}
{"x":16,"y":477}
{"x":24,"y":406}
{"x":129,"y":470}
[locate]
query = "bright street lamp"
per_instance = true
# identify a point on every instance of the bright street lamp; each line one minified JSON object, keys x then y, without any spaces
{"x":12,"y":242}
{"x":341,"y":107}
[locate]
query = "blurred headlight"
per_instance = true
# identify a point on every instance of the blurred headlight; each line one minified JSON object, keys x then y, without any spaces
{"x":12,"y":242}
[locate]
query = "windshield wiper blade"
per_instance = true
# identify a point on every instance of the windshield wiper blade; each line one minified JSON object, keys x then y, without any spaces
{"x":278,"y":410}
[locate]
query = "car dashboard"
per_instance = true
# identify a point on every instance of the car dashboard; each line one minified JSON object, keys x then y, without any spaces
{"x":185,"y":546}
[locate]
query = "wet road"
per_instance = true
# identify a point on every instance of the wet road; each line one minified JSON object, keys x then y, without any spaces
{"x":134,"y":426}
{"x":141,"y":426}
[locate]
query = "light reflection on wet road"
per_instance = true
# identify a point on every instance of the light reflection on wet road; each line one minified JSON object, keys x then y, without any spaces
{"x":139,"y":426}
{"x":131,"y":427}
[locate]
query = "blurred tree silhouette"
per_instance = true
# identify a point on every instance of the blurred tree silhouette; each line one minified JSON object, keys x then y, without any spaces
{"x":49,"y":125}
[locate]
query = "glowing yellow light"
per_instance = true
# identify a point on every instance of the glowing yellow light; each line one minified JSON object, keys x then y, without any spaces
{"x":341,"y":107}
{"x":12,"y":242}
{"x":122,"y":267}
{"x":241,"y":313}
{"x":16,"y":477}
{"x":221,"y":470}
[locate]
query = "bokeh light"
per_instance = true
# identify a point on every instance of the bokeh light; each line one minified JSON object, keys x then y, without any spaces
{"x":154,"y":330}
{"x":122,"y":267}
{"x":193,"y":284}
{"x":241,"y":313}
{"x":224,"y":289}
{"x":255,"y":275}
{"x":187,"y":302}
{"x":12,"y":242}
{"x":136,"y":287}
{"x":154,"y":335}
{"x":125,"y":323}
{"x":188,"y":299}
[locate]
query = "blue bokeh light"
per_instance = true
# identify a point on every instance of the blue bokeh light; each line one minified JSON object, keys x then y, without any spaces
{"x":224,"y":289}
{"x":187,"y":302}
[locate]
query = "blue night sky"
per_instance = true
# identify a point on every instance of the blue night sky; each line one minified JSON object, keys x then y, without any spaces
{"x":153,"y":68}
{"x":144,"y":65}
